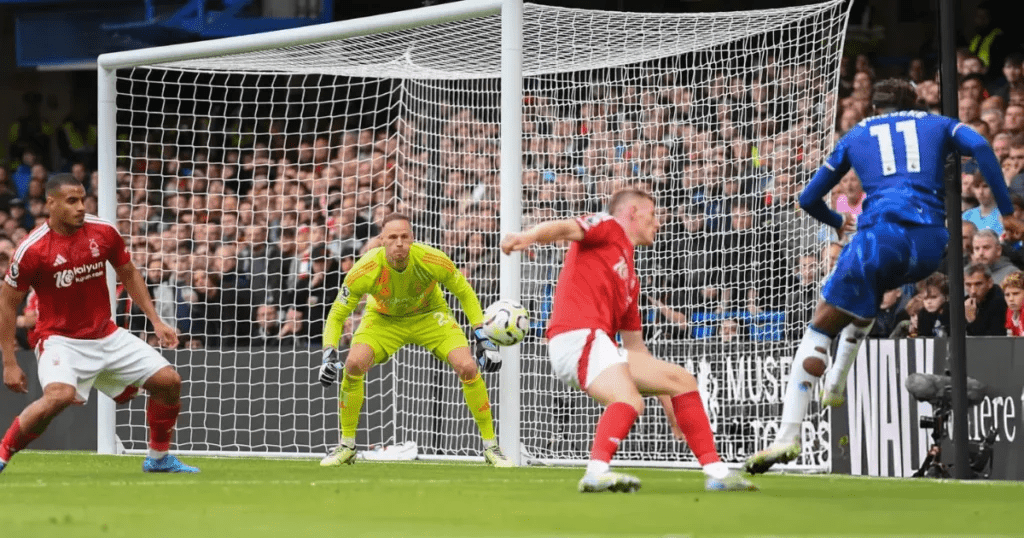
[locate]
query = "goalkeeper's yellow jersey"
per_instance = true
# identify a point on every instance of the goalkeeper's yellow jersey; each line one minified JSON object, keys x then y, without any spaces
{"x":401,"y":293}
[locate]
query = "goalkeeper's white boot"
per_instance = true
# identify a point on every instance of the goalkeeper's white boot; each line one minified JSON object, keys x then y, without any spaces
{"x":341,"y":455}
{"x":776,"y":453}
{"x":494,"y":456}
{"x":609,"y":481}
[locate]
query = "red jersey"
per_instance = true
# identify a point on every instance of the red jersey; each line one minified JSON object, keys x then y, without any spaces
{"x":598,"y":288}
{"x":1014,"y":327}
{"x":68,"y":273}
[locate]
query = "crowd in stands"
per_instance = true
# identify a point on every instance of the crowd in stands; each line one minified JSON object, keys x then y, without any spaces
{"x":246,"y":238}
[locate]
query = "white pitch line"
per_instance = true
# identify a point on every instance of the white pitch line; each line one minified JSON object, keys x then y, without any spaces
{"x":313,"y":483}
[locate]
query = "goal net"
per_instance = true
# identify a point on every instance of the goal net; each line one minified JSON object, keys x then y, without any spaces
{"x":248,"y":182}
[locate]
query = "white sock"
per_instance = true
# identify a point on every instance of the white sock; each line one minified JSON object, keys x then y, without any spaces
{"x":716,"y":470}
{"x":488,"y":443}
{"x":349,"y":441}
{"x":846,"y":354}
{"x":156,"y":454}
{"x":598,"y":467}
{"x":800,"y":385}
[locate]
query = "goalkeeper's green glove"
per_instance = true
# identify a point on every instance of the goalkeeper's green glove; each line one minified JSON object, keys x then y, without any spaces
{"x":485,"y":352}
{"x":329,"y":368}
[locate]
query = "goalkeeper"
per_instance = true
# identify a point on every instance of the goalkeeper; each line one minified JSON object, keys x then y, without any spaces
{"x":406,"y":306}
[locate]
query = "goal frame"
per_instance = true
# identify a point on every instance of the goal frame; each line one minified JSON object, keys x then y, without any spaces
{"x":510,"y":171}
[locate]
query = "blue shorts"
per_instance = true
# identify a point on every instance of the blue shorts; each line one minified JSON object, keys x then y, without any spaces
{"x":880,"y":258}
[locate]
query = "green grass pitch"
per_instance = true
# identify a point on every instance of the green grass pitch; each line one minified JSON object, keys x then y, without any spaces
{"x":45,"y":494}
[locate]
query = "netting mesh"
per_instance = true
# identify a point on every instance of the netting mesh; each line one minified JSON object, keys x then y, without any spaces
{"x":249,"y":183}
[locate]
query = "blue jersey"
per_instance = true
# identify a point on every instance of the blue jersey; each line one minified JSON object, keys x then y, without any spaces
{"x":900,"y":159}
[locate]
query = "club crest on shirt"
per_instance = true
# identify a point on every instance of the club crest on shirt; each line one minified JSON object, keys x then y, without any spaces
{"x":94,"y":248}
{"x":593,"y":220}
{"x":14,"y":270}
{"x":622,"y":268}
{"x":345,"y":292}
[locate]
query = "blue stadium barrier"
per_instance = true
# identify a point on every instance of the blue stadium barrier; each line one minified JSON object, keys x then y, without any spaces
{"x":769,"y":326}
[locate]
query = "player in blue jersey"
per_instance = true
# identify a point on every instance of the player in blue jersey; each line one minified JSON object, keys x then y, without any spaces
{"x":899,"y":156}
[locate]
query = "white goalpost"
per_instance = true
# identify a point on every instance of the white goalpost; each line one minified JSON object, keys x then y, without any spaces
{"x":247,"y":173}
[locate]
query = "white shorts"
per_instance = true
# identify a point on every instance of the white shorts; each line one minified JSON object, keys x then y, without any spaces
{"x":110,"y":363}
{"x":579,"y":356}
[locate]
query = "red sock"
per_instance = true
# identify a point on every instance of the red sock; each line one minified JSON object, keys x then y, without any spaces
{"x":613,"y":427}
{"x":161,"y":419}
{"x":15,"y":440}
{"x":693,"y":421}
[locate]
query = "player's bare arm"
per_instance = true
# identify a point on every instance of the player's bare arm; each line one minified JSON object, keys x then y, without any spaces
{"x":545,"y":232}
{"x":10,"y":299}
{"x":133,"y":282}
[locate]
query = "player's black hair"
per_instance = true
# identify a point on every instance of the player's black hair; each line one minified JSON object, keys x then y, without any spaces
{"x":57,"y":181}
{"x":973,"y":76}
{"x":894,"y":93}
{"x":978,"y":267}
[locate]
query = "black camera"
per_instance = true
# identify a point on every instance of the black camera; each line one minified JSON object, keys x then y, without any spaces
{"x":938,"y":391}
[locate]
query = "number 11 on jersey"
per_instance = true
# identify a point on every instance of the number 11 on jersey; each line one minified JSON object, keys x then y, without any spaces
{"x":883,"y":134}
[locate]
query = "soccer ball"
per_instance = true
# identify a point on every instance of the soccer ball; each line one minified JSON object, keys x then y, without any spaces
{"x":506,"y":323}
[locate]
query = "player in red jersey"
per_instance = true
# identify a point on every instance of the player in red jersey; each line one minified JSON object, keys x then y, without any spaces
{"x":65,"y":262}
{"x":596,"y":298}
